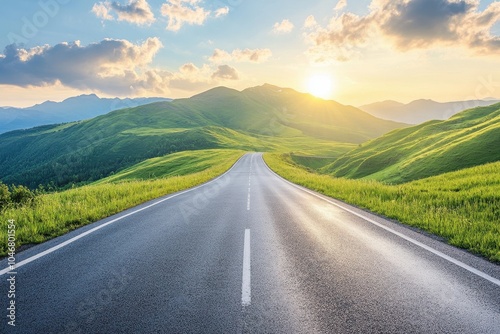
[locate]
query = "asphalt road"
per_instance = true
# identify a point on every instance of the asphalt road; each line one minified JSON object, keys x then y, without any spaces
{"x":250,"y":253}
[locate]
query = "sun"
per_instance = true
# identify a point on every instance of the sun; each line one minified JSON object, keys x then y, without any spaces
{"x":320,"y":85}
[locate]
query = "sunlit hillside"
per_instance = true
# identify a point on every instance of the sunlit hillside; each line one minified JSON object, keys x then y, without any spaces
{"x":469,"y":138}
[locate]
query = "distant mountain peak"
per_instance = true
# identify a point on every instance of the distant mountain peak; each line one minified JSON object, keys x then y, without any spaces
{"x":219,"y":91}
{"x":423,"y":101}
{"x":273,"y":87}
{"x":72,"y":109}
{"x":87,"y":95}
{"x":271,"y":90}
{"x":422,"y":110}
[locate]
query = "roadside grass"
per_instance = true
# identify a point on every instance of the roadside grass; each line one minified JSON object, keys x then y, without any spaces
{"x":54,"y":214}
{"x":176,"y":164}
{"x":463,"y":207}
{"x":312,"y":163}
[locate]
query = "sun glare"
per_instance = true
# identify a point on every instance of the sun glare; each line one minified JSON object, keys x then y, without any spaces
{"x":320,"y":85}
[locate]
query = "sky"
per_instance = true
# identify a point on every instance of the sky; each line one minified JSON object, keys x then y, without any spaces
{"x":354,"y":52}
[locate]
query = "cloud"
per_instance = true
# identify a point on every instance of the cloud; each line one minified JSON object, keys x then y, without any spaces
{"x":225,"y":72}
{"x":340,"y":40}
{"x":189,"y":77}
{"x":341,"y":5}
{"x":310,"y":22}
{"x":222,"y":11}
{"x":136,"y":11}
{"x":420,"y":23}
{"x":189,"y":68}
{"x":283,"y":27}
{"x":110,"y":66}
{"x":180,"y":12}
{"x":220,"y":56}
{"x":247,"y":55}
{"x":408,"y":24}
{"x":115,"y":67}
{"x":101,"y":10}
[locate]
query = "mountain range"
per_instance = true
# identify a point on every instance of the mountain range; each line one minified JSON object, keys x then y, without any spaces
{"x":70,"y":110}
{"x":420,"y":111}
{"x":264,"y":118}
{"x":333,"y":138}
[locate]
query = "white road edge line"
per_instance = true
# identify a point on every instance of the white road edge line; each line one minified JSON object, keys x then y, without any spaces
{"x":67,"y":242}
{"x":401,"y":235}
{"x":246,"y":292}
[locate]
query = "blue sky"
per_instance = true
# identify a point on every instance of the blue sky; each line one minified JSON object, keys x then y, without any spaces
{"x":363,"y":50}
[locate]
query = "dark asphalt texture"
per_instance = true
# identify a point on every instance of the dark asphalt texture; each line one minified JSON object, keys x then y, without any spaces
{"x":176,"y":267}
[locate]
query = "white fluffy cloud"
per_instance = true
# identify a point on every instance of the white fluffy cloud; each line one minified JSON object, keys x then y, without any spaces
{"x":180,"y":12}
{"x":310,"y":22}
{"x":408,"y":24}
{"x":221,"y":11}
{"x":110,"y":66}
{"x":116,"y":67}
{"x":283,"y":27}
{"x":246,"y":55}
{"x":225,"y":72}
{"x":341,"y":5}
{"x":136,"y":11}
{"x":190,"y":77}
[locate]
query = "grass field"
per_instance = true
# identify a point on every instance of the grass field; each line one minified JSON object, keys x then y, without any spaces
{"x":463,"y":207}
{"x":54,"y":214}
{"x":313,"y":163}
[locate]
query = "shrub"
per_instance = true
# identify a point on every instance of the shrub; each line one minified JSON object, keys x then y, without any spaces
{"x":4,"y":196}
{"x":21,"y":195}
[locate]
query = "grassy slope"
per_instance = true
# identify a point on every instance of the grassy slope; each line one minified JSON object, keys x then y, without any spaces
{"x":313,"y":163}
{"x":316,"y":117}
{"x":460,"y":206}
{"x":177,"y":164}
{"x":55,"y":214}
{"x":469,"y":138}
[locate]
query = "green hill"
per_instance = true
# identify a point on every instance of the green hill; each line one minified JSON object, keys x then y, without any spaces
{"x":265,"y":118}
{"x":469,"y":138}
{"x":175,"y":164}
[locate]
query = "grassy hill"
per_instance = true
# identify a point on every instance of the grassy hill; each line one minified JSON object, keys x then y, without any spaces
{"x":175,"y":164}
{"x":469,"y":138}
{"x":265,"y":118}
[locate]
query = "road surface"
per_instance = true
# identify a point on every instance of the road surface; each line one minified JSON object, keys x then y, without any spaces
{"x":250,"y":253}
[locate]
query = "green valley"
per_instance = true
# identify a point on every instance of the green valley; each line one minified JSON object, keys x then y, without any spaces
{"x":265,"y":118}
